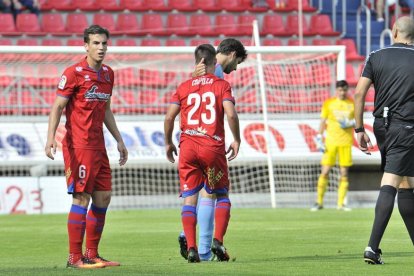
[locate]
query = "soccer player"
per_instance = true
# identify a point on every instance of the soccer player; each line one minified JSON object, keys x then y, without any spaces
{"x":230,"y":53}
{"x":390,"y":71}
{"x":203,"y":101}
{"x":337,"y":118}
{"x":85,"y":89}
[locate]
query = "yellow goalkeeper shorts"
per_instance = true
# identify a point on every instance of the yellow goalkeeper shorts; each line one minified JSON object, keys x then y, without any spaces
{"x":332,"y":152}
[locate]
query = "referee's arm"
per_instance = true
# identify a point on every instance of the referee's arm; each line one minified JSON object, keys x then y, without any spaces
{"x":359,"y":100}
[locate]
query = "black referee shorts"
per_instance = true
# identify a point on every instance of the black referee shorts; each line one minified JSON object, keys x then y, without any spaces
{"x":396,"y":145}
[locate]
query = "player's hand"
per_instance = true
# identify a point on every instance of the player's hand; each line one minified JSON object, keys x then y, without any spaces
{"x":50,"y":148}
{"x":123,"y":153}
{"x":171,"y":150}
{"x":364,"y":143}
{"x":320,"y":146}
{"x":233,"y":150}
{"x":347,"y":123}
{"x":200,"y":69}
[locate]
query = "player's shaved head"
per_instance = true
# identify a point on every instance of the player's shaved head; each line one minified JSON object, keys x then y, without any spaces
{"x":405,"y":27}
{"x":207,"y":52}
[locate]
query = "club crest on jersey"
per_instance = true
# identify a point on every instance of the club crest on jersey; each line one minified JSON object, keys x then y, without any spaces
{"x":93,"y":95}
{"x":106,"y":75}
{"x":62,"y":82}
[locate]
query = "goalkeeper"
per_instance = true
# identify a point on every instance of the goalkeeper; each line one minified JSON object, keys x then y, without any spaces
{"x":337,"y":119}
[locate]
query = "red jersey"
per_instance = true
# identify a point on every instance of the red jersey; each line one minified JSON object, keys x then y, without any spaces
{"x":202,"y":113}
{"x":88,"y":91}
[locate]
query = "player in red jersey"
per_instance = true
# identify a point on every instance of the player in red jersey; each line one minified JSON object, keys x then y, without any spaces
{"x":203,"y":102}
{"x":85,"y":89}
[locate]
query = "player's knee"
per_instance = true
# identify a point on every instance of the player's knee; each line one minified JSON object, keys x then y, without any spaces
{"x":81,"y":199}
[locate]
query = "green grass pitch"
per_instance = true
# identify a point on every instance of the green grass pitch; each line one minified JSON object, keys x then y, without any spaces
{"x":262,"y":242}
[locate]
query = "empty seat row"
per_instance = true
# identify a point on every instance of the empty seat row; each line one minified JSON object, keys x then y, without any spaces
{"x":153,"y":24}
{"x":179,"y":5}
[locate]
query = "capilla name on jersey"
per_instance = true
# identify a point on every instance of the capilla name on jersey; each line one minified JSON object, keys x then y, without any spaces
{"x":202,"y":81}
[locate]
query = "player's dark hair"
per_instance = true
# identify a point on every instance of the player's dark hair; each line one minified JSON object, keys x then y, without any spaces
{"x":229,"y":45}
{"x":207,"y":52}
{"x":94,"y":29}
{"x":342,"y":83}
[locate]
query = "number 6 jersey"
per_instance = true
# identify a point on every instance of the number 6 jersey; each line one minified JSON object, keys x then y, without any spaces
{"x":202,"y":114}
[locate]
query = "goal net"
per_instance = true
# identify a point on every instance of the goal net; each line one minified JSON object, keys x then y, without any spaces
{"x":279,"y":92}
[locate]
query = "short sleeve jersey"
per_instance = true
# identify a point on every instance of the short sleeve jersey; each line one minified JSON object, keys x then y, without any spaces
{"x":391,"y":70}
{"x":335,"y":110}
{"x":201,"y":108}
{"x":88,"y":92}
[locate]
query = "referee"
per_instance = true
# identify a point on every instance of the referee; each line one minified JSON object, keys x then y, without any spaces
{"x":391,"y":70}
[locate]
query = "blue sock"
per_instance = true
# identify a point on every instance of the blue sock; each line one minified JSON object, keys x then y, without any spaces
{"x":205,"y":219}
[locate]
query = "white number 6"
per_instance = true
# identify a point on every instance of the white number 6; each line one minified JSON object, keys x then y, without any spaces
{"x":82,"y":171}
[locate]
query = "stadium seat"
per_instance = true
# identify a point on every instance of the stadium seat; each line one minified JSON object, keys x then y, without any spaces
{"x":246,"y":24}
{"x":182,"y":5}
{"x":152,"y":24}
{"x":75,"y":42}
{"x":5,"y":75}
{"x":76,"y":23}
{"x":27,"y":42}
{"x":292,"y":24}
{"x":321,"y":25}
{"x":126,"y":77}
{"x":295,"y":42}
{"x":246,"y":41}
{"x":247,"y":102}
{"x":321,"y":42}
{"x":351,"y":51}
{"x":128,"y":101}
{"x":157,"y":5}
{"x":207,"y":5}
{"x":51,"y":42}
{"x":126,"y":42}
{"x":294,"y":5}
{"x":105,"y":20}
{"x":278,"y":101}
{"x":350,"y":75}
{"x":177,"y":24}
{"x":298,"y":74}
{"x":86,"y":5}
{"x":7,"y":26}
{"x":28,"y":23}
{"x":322,"y":74}
{"x":147,"y":101}
{"x":225,"y":24}
{"x":151,"y":42}
{"x":201,"y":24}
{"x":6,"y":41}
{"x":175,"y":42}
{"x":274,"y":75}
{"x":52,"y":23}
{"x":232,"y":6}
{"x":273,"y":25}
{"x":151,"y":78}
{"x":48,"y":75}
{"x":299,"y":101}
{"x":62,"y":5}
{"x":133,"y":5}
{"x":127,"y":23}
{"x":317,"y":97}
{"x":199,"y":41}
{"x":272,"y":42}
{"x":279,"y":6}
{"x":256,"y":6}
{"x":109,"y":5}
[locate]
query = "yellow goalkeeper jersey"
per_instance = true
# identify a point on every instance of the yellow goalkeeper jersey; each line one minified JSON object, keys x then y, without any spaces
{"x":334,"y":111}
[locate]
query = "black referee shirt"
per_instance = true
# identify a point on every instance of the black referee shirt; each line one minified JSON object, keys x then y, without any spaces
{"x":391,"y":70}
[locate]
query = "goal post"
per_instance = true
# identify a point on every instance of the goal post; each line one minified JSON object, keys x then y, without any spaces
{"x":278,"y":100}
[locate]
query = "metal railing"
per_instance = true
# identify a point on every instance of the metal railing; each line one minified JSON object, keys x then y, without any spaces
{"x":359,"y":27}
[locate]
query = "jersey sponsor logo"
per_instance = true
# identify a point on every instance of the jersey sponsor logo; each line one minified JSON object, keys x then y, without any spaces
{"x":93,"y":95}
{"x":62,"y":82}
{"x":202,"y":81}
{"x":78,"y":69}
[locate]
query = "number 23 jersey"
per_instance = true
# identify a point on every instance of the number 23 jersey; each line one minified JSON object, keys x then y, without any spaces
{"x":201,"y":106}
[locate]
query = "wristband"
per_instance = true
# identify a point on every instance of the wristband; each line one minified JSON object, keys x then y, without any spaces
{"x":360,"y":129}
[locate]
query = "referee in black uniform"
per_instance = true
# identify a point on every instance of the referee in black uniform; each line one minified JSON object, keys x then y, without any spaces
{"x":391,"y":70}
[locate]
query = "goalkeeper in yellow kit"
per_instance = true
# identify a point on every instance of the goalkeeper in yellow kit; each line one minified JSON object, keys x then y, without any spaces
{"x":337,"y":118}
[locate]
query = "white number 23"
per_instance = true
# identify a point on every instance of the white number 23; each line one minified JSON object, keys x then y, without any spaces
{"x":210,"y":101}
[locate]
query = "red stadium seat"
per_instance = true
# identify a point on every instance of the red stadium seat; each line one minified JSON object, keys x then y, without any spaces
{"x":274,"y":75}
{"x":127,"y":23}
{"x":126,"y":77}
{"x":178,"y":24}
{"x":52,"y":42}
{"x":133,"y":5}
{"x":272,"y":42}
{"x":295,"y":42}
{"x":105,"y":20}
{"x":233,"y":5}
{"x":75,"y":42}
{"x":62,"y":5}
{"x":299,"y":101}
{"x":321,"y":42}
{"x":76,"y":23}
{"x":175,"y":42}
{"x":27,"y":42}
{"x":128,"y":101}
{"x":7,"y":26}
{"x":109,"y":5}
{"x":147,"y":101}
{"x":152,"y":23}
{"x":351,"y":51}
{"x":48,"y":75}
{"x":182,"y":5}
{"x":86,"y":5}
{"x":28,"y":24}
{"x":199,"y":41}
{"x":350,"y":75}
{"x":248,"y":102}
{"x":273,"y":25}
{"x":207,"y":5}
{"x":321,"y":25}
{"x":157,"y":5}
{"x":298,"y":74}
{"x":151,"y":42}
{"x":52,"y":23}
{"x":246,"y":24}
{"x":6,"y":41}
{"x":126,"y":42}
{"x":201,"y":24}
{"x":306,"y":7}
{"x":292,"y":24}
{"x":226,"y":25}
{"x":322,"y":74}
{"x":151,"y":78}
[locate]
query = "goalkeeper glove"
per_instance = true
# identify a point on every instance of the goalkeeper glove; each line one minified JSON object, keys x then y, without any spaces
{"x":320,"y":146}
{"x":347,"y":123}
